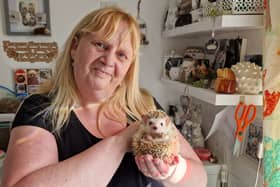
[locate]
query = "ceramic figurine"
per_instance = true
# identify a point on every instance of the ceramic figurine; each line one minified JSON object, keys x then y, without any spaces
{"x":248,"y":77}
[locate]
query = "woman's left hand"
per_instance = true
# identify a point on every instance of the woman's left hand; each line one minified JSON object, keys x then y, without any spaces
{"x":154,"y":167}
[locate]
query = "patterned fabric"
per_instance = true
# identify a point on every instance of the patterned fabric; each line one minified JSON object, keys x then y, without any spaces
{"x":272,"y":162}
{"x":271,"y":94}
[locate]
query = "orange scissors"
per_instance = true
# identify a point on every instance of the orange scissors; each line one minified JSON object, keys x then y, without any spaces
{"x":245,"y":119}
{"x":248,"y":115}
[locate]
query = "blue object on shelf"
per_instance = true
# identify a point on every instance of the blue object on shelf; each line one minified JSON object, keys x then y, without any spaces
{"x":8,"y":90}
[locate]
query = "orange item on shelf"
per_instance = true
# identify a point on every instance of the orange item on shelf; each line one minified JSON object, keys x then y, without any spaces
{"x":225,"y":86}
{"x":225,"y":82}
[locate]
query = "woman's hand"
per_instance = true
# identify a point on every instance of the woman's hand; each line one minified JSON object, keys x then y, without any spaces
{"x":125,"y":135}
{"x":154,"y":167}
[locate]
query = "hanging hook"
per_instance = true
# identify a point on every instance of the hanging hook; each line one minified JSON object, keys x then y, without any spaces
{"x":187,"y":91}
{"x":138,"y":8}
{"x":242,"y":99}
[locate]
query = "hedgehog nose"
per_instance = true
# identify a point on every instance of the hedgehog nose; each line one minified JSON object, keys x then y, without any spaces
{"x":155,"y":128}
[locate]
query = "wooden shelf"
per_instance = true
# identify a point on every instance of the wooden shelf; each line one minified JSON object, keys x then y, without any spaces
{"x":214,"y":98}
{"x":222,"y":23}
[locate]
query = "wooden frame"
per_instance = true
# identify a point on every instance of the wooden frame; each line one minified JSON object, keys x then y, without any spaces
{"x":27,"y":17}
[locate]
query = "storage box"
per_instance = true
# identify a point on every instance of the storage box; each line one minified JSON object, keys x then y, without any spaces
{"x":247,"y":7}
{"x":223,"y":7}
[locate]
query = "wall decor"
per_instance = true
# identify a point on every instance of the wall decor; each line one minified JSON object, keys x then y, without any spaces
{"x":31,"y":51}
{"x":27,"y":17}
{"x":27,"y":81}
{"x":254,"y":135}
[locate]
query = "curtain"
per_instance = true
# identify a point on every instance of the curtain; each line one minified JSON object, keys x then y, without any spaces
{"x":271,"y":94}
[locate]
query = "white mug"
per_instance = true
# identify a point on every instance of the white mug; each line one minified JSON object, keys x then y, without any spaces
{"x":174,"y":73}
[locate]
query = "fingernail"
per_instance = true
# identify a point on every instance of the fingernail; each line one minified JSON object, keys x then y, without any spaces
{"x":157,"y":162}
{"x":164,"y":174}
{"x":150,"y":158}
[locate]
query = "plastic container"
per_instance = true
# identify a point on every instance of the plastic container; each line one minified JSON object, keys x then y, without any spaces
{"x":203,"y":154}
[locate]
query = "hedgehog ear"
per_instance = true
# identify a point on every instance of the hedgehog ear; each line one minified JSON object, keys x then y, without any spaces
{"x":167,"y":120}
{"x":144,"y":118}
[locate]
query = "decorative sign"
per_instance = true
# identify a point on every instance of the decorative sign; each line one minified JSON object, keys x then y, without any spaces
{"x":31,"y":51}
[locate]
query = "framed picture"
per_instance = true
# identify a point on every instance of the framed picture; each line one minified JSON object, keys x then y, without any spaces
{"x":254,"y":135}
{"x":27,"y":17}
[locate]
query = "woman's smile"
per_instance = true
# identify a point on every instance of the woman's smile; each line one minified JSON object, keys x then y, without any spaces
{"x":100,"y":72}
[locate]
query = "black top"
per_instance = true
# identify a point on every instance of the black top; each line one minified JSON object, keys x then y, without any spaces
{"x":75,"y":138}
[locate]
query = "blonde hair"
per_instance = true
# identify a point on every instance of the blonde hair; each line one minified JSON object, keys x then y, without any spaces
{"x":128,"y":99}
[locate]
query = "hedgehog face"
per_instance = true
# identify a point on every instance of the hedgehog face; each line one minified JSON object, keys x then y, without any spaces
{"x":157,"y":125}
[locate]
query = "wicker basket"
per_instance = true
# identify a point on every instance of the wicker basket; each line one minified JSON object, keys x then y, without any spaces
{"x":222,"y":7}
{"x":247,"y":7}
{"x":225,"y":6}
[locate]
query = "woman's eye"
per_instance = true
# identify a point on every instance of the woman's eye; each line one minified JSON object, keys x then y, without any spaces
{"x":100,"y":45}
{"x":122,"y":56}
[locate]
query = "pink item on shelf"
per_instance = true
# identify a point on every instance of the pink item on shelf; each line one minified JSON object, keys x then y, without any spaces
{"x":203,"y":154}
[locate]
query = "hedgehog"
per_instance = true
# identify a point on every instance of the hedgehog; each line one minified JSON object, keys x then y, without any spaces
{"x":156,"y":136}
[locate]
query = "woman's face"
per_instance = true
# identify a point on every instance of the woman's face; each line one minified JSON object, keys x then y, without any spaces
{"x":100,"y":66}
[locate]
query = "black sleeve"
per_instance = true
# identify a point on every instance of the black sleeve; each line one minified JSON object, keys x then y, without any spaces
{"x":31,"y":112}
{"x":158,"y":106}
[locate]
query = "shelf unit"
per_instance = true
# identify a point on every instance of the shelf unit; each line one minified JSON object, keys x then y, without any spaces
{"x":209,"y":96}
{"x":222,"y":23}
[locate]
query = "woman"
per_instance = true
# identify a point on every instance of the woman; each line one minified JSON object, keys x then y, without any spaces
{"x":75,"y":132}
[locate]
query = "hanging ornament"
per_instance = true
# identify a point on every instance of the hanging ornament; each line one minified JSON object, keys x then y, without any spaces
{"x":142,"y":25}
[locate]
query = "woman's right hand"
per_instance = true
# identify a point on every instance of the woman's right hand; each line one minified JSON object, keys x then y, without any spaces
{"x":125,"y":135}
